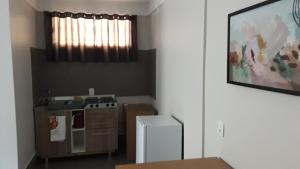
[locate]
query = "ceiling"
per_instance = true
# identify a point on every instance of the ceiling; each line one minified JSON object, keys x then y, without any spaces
{"x":113,"y":0}
{"x":124,"y":0}
{"x":133,"y":7}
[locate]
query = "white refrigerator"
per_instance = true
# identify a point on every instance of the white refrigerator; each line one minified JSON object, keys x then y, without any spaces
{"x":158,"y":138}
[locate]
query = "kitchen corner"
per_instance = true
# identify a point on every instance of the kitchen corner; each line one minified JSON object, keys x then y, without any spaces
{"x":81,"y":125}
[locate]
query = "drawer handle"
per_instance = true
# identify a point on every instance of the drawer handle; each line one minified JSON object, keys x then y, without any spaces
{"x":101,"y":134}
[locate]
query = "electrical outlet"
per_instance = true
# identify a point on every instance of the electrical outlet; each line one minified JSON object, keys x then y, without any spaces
{"x":221,"y":130}
{"x":91,"y":91}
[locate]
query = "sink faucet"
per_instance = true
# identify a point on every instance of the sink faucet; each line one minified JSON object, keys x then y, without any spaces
{"x":48,"y":97}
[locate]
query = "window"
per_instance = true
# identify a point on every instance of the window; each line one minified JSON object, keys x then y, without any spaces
{"x":89,"y":37}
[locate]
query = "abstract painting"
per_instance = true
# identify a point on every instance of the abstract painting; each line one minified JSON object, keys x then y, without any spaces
{"x":264,"y":46}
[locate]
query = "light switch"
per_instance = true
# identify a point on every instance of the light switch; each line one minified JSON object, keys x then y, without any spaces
{"x":91,"y":91}
{"x":221,"y":129}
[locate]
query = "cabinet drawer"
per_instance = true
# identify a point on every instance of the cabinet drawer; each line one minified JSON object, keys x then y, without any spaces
{"x":105,"y":112}
{"x":100,"y":141}
{"x":100,"y":123}
{"x":100,"y":119}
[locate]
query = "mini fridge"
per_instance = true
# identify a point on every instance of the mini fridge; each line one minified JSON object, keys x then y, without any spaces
{"x":158,"y":138}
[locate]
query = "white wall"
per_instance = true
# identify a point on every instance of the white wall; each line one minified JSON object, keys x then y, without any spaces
{"x":261,"y":127}
{"x":23,"y":37}
{"x":177,"y":28}
{"x":8,"y":131}
{"x":144,"y":33}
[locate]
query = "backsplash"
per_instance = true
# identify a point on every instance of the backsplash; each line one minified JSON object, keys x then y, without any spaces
{"x":74,"y":78}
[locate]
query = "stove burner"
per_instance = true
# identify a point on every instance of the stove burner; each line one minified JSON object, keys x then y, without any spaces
{"x":102,"y":102}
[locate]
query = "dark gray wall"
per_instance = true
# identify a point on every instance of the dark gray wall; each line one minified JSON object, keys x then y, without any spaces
{"x":74,"y":78}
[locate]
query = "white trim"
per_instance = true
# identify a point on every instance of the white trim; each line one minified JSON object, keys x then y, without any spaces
{"x":154,"y":4}
{"x":204,"y":78}
{"x":34,"y":4}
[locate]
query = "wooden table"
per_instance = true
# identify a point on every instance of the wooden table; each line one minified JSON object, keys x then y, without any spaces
{"x":208,"y":163}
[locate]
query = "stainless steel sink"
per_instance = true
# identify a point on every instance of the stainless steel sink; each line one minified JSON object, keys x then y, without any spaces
{"x":64,"y":104}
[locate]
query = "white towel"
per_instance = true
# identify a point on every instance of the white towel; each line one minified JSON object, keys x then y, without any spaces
{"x":58,"y":131}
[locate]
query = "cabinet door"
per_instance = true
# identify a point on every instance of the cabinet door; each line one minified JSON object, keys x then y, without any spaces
{"x":132,"y":111}
{"x":100,"y":141}
{"x":45,"y":147}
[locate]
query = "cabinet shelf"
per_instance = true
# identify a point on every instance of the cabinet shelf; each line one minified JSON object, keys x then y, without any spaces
{"x":78,"y":119}
{"x":79,"y":149}
{"x":78,"y":141}
{"x":74,"y":129}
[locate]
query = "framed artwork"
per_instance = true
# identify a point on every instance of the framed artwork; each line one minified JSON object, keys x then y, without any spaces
{"x":264,"y":46}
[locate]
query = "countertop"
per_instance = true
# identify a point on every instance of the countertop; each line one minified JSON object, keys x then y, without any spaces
{"x":61,"y":105}
{"x":45,"y":109}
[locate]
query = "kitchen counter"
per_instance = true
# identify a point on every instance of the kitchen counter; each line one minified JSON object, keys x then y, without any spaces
{"x":81,"y":129}
{"x":75,"y":103}
{"x":61,"y":105}
{"x":45,"y":109}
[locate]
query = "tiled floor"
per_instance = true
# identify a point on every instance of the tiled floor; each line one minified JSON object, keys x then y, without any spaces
{"x":84,"y":162}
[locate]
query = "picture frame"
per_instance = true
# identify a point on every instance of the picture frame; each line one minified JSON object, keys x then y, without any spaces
{"x":263,"y":53}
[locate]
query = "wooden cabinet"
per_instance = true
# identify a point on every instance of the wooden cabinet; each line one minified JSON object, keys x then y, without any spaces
{"x":101,"y":118}
{"x":46,"y":148}
{"x":98,"y":134}
{"x":132,"y":111}
{"x":100,"y":140}
{"x":101,"y":130}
